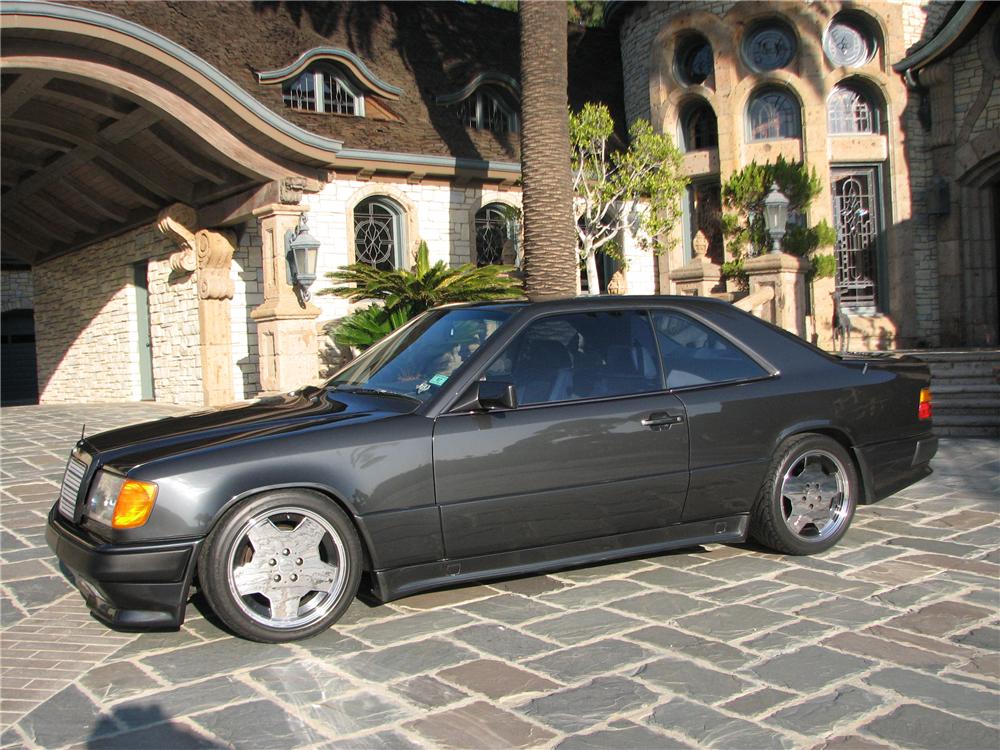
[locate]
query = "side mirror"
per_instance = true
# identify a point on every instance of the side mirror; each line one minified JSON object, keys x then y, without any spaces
{"x":487,"y":395}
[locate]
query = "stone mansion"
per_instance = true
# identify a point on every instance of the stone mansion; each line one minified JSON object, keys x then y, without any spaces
{"x":155,"y":155}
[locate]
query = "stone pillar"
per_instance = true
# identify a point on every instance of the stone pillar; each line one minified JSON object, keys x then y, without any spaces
{"x":209,"y":254}
{"x":286,"y":333}
{"x":701,"y":276}
{"x":785,"y":275}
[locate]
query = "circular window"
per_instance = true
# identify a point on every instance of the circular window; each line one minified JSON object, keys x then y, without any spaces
{"x":848,"y":42}
{"x":694,"y":62}
{"x":769,"y":46}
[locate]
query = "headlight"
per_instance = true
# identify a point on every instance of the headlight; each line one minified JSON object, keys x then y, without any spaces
{"x":119,"y":502}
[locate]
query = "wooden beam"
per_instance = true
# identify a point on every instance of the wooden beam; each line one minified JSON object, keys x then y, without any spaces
{"x":32,"y":140}
{"x":138,"y":194}
{"x":83,"y":99}
{"x":67,"y":215}
{"x":16,"y":244}
{"x":22,"y":90}
{"x":105,"y":209}
{"x":39,"y":224}
{"x":30,"y":161}
{"x":190,"y":161}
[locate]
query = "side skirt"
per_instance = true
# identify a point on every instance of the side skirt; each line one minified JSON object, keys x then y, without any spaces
{"x":395,"y":583}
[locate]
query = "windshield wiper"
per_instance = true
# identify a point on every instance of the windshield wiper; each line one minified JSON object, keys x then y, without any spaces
{"x":366,"y":391}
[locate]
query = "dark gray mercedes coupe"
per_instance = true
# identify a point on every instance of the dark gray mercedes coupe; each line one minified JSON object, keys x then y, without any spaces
{"x":490,"y":440}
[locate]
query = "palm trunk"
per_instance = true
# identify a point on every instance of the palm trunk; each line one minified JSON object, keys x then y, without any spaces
{"x":550,"y":266}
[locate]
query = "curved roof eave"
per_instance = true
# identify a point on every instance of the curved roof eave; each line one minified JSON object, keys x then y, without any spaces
{"x":179,"y":53}
{"x":333,"y":147}
{"x":500,"y":79}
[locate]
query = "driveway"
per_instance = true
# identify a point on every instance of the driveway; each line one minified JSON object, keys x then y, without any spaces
{"x":889,"y":640}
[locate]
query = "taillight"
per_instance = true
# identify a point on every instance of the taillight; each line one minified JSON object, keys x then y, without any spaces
{"x":924,"y":409}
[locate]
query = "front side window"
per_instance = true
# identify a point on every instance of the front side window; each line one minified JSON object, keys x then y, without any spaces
{"x":581,"y":356}
{"x":694,"y":354}
{"x":377,"y":234}
{"x":773,"y":114}
{"x":420,"y":358}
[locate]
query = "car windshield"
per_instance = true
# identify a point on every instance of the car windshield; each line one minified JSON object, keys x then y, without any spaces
{"x":420,"y":358}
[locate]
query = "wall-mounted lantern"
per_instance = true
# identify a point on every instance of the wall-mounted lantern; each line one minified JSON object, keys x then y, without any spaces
{"x":776,"y":216}
{"x":301,"y":251}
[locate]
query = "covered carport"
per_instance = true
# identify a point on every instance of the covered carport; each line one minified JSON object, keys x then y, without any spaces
{"x":131,"y":170}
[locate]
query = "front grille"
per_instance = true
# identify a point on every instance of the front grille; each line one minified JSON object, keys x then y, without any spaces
{"x":75,"y":471}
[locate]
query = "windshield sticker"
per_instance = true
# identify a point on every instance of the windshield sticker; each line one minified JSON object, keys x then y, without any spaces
{"x":438,"y":379}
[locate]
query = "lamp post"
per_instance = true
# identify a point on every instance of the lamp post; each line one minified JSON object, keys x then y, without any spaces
{"x":301,"y":251}
{"x":776,"y":216}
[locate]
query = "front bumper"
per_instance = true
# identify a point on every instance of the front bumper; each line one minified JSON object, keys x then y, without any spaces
{"x":128,"y":586}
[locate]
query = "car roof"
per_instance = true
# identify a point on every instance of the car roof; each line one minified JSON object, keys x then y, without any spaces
{"x":603,"y":300}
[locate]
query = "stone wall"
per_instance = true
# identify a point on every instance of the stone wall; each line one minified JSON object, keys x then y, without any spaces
{"x":248,"y":286}
{"x":16,"y":290}
{"x":649,"y":37}
{"x":86,"y":324}
{"x":441,"y":215}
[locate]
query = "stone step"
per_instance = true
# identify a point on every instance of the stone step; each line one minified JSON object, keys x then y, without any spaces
{"x":967,"y":420}
{"x":967,"y":432}
{"x":966,"y":408}
{"x":986,"y":390}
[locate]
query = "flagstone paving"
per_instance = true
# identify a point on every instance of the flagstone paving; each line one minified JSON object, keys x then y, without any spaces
{"x":890,"y":640}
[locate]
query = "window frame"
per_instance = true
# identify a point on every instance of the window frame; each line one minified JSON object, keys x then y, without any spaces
{"x":478,"y":100}
{"x":398,"y":214}
{"x":319,"y":73}
{"x":758,"y":95}
{"x":874,"y":110}
{"x":497,"y":207}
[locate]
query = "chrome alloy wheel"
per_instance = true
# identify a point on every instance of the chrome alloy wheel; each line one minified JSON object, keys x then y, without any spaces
{"x":814,"y":496}
{"x":287,"y":567}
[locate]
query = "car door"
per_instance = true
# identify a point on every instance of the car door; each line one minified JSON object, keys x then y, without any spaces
{"x":733,"y":407}
{"x":595,"y":448}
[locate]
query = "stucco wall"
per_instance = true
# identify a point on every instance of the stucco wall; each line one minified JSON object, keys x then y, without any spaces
{"x":86,"y":324}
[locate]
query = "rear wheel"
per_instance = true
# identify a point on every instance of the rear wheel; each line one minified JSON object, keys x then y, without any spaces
{"x":808,"y":497}
{"x":282,"y":566}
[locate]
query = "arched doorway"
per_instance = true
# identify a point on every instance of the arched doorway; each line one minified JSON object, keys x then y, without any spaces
{"x":980,"y":246}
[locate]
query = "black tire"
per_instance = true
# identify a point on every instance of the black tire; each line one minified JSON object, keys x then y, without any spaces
{"x":808,"y":496}
{"x":301,"y":579}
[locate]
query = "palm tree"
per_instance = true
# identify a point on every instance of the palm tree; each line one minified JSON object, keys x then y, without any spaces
{"x":550,"y":261}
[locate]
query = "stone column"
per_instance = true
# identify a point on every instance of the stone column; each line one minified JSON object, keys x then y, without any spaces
{"x":701,"y":276}
{"x":785,"y":275}
{"x":286,"y":333}
{"x":208,"y":253}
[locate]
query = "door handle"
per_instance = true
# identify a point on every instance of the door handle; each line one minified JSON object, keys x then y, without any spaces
{"x":661,"y":419}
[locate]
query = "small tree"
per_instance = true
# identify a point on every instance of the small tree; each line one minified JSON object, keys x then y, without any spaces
{"x":610,"y":185}
{"x":743,"y":224}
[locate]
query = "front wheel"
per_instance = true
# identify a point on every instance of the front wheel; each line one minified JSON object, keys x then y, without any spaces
{"x":808,"y":497}
{"x":282,"y":566}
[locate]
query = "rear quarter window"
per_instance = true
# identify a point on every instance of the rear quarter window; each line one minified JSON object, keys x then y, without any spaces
{"x":694,"y":354}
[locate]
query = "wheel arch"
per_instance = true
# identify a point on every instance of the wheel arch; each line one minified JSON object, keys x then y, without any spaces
{"x":319,"y":489}
{"x":842,"y":437}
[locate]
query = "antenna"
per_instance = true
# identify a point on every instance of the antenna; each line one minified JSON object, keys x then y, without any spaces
{"x":83,"y":429}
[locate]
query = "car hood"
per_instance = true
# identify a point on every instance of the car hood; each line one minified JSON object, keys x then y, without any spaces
{"x":136,"y":444}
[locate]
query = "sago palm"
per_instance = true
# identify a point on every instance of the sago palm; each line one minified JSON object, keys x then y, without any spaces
{"x":404,"y":294}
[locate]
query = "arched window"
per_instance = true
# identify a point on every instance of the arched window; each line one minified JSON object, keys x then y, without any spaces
{"x":487,"y":110}
{"x":495,"y":225}
{"x":378,"y":234}
{"x":693,"y":63}
{"x":850,"y":111}
{"x":773,"y":113}
{"x":323,"y":89}
{"x":699,"y":127}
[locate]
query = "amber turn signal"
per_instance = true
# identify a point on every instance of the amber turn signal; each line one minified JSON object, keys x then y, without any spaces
{"x":135,"y":502}
{"x":924,"y":409}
